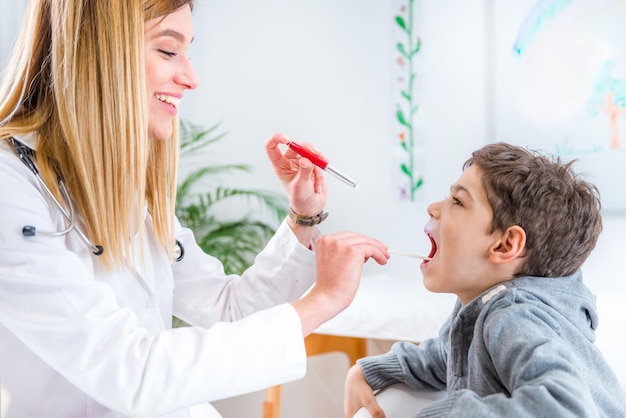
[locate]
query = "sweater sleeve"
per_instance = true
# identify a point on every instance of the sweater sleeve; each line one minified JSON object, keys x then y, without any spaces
{"x":419,"y":366}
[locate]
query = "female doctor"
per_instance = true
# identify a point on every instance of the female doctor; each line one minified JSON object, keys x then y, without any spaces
{"x":93,"y":263}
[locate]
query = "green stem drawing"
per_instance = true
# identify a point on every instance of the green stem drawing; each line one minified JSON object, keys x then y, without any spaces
{"x":408,"y":51}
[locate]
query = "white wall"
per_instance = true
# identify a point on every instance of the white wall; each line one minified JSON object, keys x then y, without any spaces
{"x":320,"y":71}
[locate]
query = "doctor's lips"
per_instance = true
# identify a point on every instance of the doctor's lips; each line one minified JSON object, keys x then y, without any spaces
{"x":321,"y":163}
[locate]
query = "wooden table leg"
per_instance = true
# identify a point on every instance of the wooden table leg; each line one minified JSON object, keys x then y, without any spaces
{"x":271,"y":406}
{"x":355,"y":348}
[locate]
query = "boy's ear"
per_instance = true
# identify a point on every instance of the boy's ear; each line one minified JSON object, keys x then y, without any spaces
{"x":509,"y":246}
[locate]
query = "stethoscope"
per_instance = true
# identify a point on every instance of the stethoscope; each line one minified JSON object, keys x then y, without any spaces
{"x":25,"y":154}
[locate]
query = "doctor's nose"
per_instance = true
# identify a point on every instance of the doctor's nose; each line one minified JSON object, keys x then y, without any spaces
{"x":187,"y":76}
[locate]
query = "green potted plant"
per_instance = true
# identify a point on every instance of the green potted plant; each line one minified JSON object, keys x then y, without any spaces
{"x":235,"y":242}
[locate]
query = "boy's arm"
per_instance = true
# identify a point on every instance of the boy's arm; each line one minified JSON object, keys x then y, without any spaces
{"x":421,"y":367}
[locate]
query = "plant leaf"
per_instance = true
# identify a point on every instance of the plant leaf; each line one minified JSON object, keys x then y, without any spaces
{"x":400,"y":48}
{"x":401,"y":119}
{"x":400,"y":21}
{"x":418,"y":184}
{"x":194,"y":137}
{"x":417,"y":47}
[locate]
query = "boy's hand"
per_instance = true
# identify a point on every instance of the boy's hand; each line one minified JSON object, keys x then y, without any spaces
{"x":358,"y":394}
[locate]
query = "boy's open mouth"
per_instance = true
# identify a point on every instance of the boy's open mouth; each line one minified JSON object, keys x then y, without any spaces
{"x":433,"y":248}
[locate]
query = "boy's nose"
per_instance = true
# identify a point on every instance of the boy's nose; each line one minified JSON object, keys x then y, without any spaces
{"x":433,"y":210}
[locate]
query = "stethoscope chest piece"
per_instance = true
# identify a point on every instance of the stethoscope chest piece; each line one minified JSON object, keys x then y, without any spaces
{"x":29,"y":231}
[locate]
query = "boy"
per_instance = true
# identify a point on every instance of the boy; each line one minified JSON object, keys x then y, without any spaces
{"x":509,"y":242}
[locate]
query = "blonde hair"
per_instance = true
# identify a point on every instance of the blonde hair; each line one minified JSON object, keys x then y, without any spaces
{"x":77,"y":76}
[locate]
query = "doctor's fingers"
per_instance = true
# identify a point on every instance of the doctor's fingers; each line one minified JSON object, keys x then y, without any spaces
{"x":281,"y":164}
{"x":309,"y":177}
{"x":351,"y":245}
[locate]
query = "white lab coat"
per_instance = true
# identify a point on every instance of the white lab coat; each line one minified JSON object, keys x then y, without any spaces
{"x":78,"y":342}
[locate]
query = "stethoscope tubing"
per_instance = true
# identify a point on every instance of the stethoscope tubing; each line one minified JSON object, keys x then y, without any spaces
{"x":28,"y":230}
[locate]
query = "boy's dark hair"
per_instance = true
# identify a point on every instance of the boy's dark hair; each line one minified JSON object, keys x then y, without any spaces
{"x":559,"y":211}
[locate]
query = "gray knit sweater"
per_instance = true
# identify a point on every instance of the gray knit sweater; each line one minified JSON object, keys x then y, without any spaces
{"x":522,"y":349}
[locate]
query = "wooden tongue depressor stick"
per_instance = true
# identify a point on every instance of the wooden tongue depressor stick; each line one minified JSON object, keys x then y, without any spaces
{"x":421,"y":257}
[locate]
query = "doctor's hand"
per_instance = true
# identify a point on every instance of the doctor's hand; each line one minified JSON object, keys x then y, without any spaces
{"x":303,"y":181}
{"x":339,"y":262}
{"x":359,"y":394}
